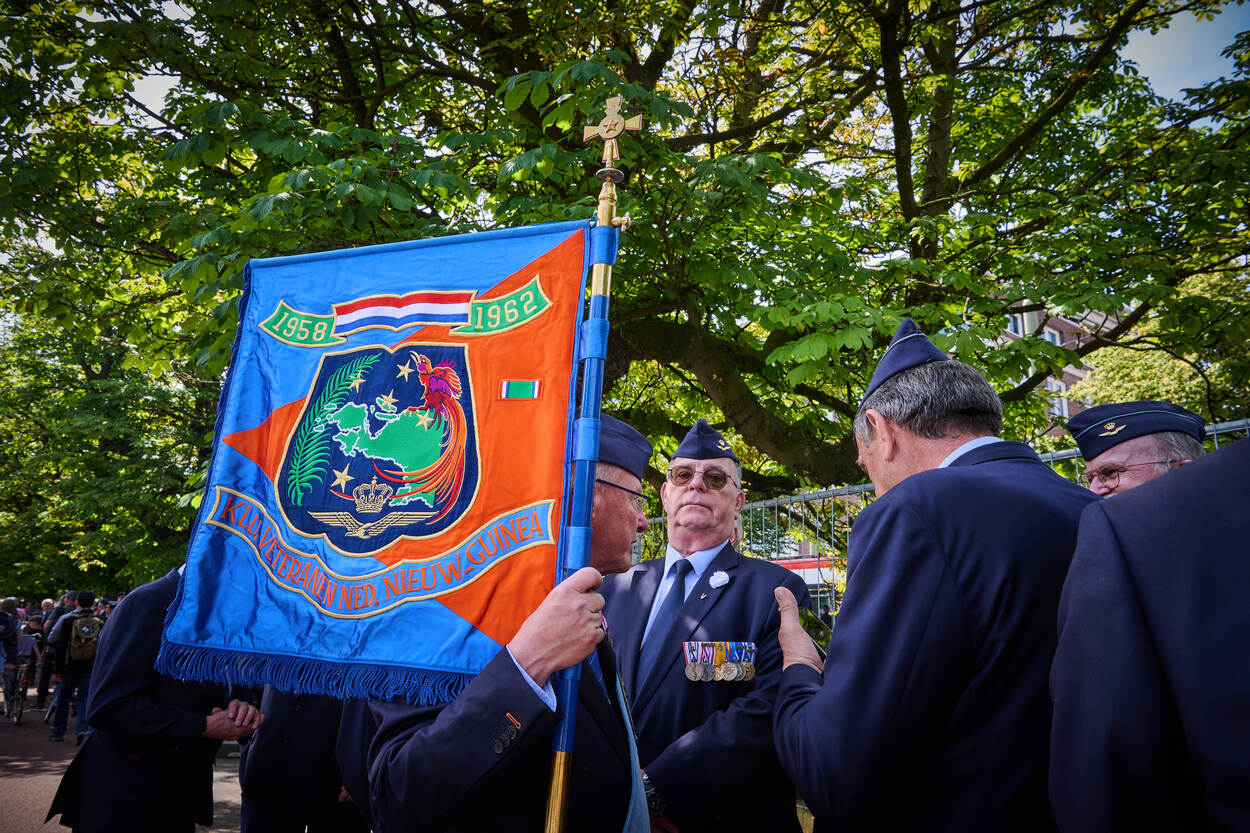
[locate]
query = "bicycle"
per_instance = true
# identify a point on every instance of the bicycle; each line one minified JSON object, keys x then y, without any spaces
{"x":20,"y":686}
{"x":50,"y":711}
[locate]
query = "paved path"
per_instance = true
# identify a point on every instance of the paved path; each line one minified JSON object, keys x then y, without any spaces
{"x":31,"y":767}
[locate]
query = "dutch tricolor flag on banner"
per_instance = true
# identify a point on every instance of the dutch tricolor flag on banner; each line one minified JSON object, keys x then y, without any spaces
{"x":398,"y":311}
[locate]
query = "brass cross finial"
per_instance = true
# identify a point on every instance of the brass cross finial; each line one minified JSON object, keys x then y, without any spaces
{"x":612,"y":126}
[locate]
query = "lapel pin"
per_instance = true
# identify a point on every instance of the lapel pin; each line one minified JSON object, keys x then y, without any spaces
{"x":703,"y":596}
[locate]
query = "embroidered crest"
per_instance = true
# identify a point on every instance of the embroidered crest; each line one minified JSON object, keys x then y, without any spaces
{"x":385,"y":448}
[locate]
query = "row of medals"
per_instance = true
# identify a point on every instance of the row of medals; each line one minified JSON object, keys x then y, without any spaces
{"x":728,"y":672}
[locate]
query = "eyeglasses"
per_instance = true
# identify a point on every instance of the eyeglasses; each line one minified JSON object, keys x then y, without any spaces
{"x":713,"y":477}
{"x":639,"y":501}
{"x":1110,"y":475}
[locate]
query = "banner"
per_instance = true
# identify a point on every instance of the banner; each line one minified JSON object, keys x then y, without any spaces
{"x":384,"y":503}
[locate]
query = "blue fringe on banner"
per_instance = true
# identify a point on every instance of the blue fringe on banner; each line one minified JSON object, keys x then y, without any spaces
{"x":302,"y":675}
{"x":306,"y":675}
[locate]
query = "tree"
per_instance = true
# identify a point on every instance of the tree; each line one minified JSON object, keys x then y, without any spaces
{"x":98,"y":457}
{"x":812,"y":172}
{"x":1209,"y":373}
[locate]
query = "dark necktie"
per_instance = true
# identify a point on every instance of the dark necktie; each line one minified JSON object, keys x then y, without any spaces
{"x":653,"y":649}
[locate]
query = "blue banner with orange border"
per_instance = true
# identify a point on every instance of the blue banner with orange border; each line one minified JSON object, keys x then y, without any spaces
{"x":390,"y":477}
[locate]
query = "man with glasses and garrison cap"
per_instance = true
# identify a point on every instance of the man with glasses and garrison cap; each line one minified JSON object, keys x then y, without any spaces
{"x":1131,"y":443}
{"x":1151,"y":680}
{"x":931,"y":711}
{"x":696,"y":634}
{"x":483,"y":761}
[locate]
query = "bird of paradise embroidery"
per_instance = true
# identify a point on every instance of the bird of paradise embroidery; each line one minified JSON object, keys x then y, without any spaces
{"x":444,"y":476}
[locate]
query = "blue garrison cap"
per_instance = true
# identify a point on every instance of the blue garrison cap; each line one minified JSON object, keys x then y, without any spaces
{"x":622,"y":446}
{"x":703,"y":442}
{"x":907,"y":349}
{"x":1103,"y":426}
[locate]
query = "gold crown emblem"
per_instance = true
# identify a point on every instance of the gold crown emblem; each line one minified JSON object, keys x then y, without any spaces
{"x":372,"y":496}
{"x":1112,"y":430}
{"x":722,"y":445}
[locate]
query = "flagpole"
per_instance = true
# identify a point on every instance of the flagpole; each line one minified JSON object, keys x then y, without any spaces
{"x":594,"y":349}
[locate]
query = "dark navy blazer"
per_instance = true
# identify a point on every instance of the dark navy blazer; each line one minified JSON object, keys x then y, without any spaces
{"x":356,"y":729}
{"x":144,"y":765}
{"x":708,"y":747}
{"x":483,"y":761}
{"x":288,"y":771}
{"x":1151,"y":681}
{"x":933,"y":712}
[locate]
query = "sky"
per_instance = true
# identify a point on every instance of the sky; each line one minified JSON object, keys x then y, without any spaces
{"x":1187,"y":53}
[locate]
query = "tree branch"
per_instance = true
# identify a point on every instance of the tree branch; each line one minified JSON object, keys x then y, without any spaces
{"x":722,"y":379}
{"x":1058,"y":102}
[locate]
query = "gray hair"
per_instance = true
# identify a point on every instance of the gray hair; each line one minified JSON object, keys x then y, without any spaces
{"x":935,"y":400}
{"x":1174,"y":446}
{"x":610,"y":473}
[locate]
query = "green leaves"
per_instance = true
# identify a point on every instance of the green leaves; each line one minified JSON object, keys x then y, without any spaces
{"x":90,"y":496}
{"x":534,"y":86}
{"x":540,"y":163}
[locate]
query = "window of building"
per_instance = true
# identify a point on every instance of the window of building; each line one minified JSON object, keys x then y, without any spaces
{"x":1058,"y":406}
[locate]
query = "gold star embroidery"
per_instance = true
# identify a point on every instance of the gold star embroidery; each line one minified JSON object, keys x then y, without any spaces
{"x":404,"y":370}
{"x":388,"y":401}
{"x":341,"y":478}
{"x":356,"y":383}
{"x":423,"y":419}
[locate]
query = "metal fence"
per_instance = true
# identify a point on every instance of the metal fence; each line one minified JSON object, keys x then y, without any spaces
{"x":807,"y":532}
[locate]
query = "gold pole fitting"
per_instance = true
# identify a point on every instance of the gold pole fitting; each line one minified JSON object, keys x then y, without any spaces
{"x":613,"y":126}
{"x":557,"y":797}
{"x":609,"y":130}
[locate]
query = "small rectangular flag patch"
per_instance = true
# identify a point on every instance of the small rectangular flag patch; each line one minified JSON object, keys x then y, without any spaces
{"x":520,"y":389}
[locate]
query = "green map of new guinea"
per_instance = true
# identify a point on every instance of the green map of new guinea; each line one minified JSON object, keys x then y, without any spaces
{"x":410,"y":440}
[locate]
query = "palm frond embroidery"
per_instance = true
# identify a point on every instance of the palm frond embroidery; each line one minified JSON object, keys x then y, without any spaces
{"x":310,"y":450}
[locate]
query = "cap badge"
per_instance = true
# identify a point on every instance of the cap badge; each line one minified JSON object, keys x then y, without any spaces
{"x":1112,"y":430}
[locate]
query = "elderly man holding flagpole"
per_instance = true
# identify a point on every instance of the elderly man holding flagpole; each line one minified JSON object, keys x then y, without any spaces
{"x":483,"y":761}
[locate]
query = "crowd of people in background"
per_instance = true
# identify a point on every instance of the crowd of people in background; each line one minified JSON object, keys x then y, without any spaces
{"x":42,"y":659}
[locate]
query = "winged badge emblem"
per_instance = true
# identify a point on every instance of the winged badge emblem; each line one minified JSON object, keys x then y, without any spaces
{"x":356,"y":529}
